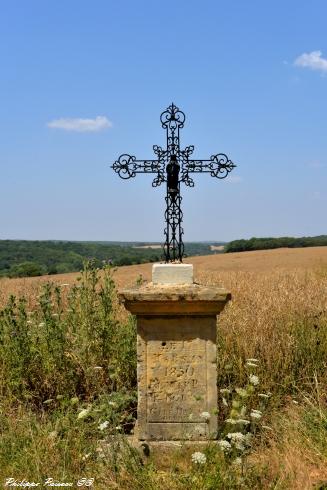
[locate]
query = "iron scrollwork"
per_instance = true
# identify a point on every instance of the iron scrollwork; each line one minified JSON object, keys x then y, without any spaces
{"x":173,"y":166}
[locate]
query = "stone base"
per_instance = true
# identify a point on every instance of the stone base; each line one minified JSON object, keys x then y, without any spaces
{"x":172,"y":274}
{"x":151,"y":448}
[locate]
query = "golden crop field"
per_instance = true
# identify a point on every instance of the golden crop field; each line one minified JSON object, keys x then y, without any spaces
{"x":257,"y":262}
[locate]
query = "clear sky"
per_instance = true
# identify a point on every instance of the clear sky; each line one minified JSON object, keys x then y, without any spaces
{"x":83,"y":81}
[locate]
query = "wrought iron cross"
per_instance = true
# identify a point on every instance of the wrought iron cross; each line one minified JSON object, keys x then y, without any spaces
{"x":173,"y":166}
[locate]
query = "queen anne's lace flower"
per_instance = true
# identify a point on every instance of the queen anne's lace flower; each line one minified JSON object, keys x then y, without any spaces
{"x":104,"y":425}
{"x":256,"y":414}
{"x":254,"y":380}
{"x":224,"y":445}
{"x":224,"y":391}
{"x":236,"y":436}
{"x":241,"y":392}
{"x":199,"y":458}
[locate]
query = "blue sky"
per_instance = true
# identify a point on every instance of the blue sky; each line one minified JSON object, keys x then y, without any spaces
{"x":84,"y":81}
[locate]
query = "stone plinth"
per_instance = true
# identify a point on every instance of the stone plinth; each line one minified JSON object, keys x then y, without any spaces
{"x":176,"y":359}
{"x":172,"y":274}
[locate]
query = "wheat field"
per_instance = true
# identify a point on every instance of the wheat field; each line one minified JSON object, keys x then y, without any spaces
{"x":257,"y":262}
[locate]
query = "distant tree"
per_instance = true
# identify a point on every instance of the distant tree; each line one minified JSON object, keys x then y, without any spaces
{"x":27,"y":269}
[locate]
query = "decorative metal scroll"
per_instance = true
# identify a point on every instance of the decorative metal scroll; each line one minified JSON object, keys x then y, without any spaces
{"x":173,"y":166}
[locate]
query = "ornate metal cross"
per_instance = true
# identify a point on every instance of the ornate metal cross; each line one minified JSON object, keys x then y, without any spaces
{"x":173,"y":166}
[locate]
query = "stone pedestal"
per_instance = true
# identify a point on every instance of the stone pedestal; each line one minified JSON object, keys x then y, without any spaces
{"x":176,"y":359}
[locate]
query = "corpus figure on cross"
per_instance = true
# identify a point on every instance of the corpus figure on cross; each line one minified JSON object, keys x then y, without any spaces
{"x":173,"y":166}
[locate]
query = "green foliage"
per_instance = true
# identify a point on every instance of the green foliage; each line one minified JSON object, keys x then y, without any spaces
{"x":270,"y":243}
{"x":20,"y":258}
{"x":69,"y":348}
{"x":27,"y":269}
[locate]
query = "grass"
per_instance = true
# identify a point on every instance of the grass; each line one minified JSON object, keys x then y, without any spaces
{"x":67,"y":364}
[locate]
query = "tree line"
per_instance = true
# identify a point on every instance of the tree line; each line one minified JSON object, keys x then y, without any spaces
{"x":24,"y":258}
{"x":271,"y":243}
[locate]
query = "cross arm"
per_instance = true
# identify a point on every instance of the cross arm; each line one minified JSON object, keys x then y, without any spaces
{"x":218,"y":166}
{"x":127,"y":166}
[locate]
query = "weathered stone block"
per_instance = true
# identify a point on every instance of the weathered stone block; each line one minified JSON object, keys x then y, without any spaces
{"x":172,"y":274}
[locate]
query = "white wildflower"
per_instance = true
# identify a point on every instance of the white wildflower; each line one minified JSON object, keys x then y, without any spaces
{"x":231,"y":421}
{"x":205,"y":416}
{"x":86,"y":456}
{"x":241,"y":392}
{"x":199,"y":458}
{"x":254,"y":380}
{"x":104,"y":425}
{"x":224,"y":391}
{"x":295,"y":402}
{"x":264,"y":395}
{"x":118,"y":427}
{"x":112,"y":404}
{"x":224,"y":445}
{"x":29,"y":322}
{"x":237,"y":461}
{"x":83,"y":413}
{"x":236,"y":437}
{"x":255,"y":415}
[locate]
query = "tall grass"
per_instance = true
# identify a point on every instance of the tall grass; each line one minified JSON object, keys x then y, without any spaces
{"x":68,"y":386}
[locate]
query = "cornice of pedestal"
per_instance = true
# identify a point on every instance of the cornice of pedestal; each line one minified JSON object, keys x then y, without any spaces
{"x":171,"y":300}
